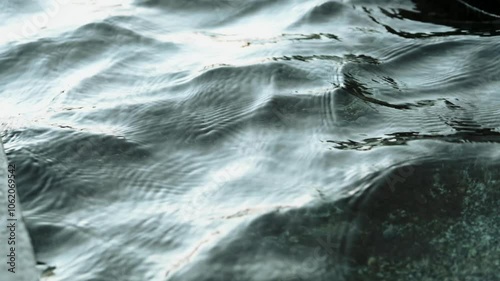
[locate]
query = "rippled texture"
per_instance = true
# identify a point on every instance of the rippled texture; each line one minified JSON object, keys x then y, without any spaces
{"x":255,"y":140}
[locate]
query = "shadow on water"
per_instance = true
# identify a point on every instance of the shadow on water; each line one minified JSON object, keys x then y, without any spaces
{"x":419,"y":220}
{"x":476,"y":17}
{"x":435,"y":210}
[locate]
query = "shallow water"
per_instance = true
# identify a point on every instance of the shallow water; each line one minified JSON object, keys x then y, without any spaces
{"x":255,"y":140}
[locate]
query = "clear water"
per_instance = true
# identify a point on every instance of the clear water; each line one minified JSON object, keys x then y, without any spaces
{"x":255,"y":140}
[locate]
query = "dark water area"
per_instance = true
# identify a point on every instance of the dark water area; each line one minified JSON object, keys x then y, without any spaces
{"x":253,"y":140}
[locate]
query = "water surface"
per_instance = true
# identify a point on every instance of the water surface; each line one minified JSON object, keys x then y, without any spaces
{"x":255,"y":140}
